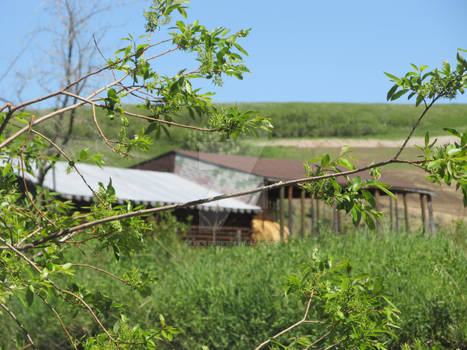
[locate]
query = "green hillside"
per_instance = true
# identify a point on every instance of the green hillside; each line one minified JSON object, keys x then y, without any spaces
{"x":291,"y":120}
{"x":357,"y":120}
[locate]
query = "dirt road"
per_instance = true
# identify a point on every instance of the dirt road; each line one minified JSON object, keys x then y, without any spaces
{"x":353,"y":143}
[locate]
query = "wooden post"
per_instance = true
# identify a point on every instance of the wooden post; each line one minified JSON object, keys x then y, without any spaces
{"x":239,"y":236}
{"x":317,"y":217}
{"x":378,"y":208}
{"x":290,"y":218}
{"x":391,"y":214}
{"x":302,"y":213}
{"x":430,"y":214}
{"x":281,"y":211}
{"x":406,"y":212}
{"x":336,"y":219}
{"x":312,"y":215}
{"x":423,"y":209}
{"x":397,"y":214}
{"x":339,"y":221}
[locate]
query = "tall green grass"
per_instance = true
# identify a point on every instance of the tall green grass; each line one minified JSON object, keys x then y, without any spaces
{"x":233,"y":298}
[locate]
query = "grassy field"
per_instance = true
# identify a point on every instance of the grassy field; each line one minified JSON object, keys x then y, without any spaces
{"x":233,"y":298}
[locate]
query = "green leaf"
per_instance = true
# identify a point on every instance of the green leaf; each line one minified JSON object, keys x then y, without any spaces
{"x":29,"y":296}
{"x":452,"y":132}
{"x":419,"y":100}
{"x":393,"y":77}
{"x":346,"y":163}
{"x":325,"y":160}
{"x":383,"y":188}
{"x":399,"y":94}
{"x":391,"y":92}
{"x":369,"y":198}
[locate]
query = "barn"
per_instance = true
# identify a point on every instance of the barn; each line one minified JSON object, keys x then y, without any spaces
{"x":225,"y":221}
{"x":226,"y":173}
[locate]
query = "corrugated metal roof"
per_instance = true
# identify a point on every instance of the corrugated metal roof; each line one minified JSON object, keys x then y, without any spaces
{"x":140,"y":186}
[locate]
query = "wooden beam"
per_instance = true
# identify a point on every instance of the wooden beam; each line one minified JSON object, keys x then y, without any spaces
{"x":430,"y":214}
{"x":391,"y":214}
{"x":317,"y":217}
{"x":312,"y":214}
{"x":336,"y":219}
{"x":423,"y":209}
{"x":397,"y":213}
{"x":290,"y":216}
{"x":378,"y":208}
{"x":339,"y":221}
{"x":239,"y":237}
{"x":406,"y":212}
{"x":281,"y":211}
{"x":302,"y":213}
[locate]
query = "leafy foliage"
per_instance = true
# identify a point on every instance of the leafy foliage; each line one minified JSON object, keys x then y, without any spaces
{"x":38,"y":228}
{"x":352,"y":310}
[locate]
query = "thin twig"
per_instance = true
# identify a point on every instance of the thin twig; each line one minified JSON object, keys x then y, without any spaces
{"x":53,"y":94}
{"x":18,"y":322}
{"x":86,"y":305}
{"x":7,"y":118}
{"x":9,"y":229}
{"x":62,"y":152}
{"x":60,"y":111}
{"x":59,"y":319}
{"x":102,"y":55}
{"x":64,"y":291}
{"x":29,"y":236}
{"x":106,"y":140}
{"x":103,"y":271}
{"x":415,"y":126}
{"x":292,"y":326}
{"x":50,"y":221}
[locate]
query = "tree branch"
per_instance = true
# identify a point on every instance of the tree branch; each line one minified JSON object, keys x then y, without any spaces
{"x":59,"y":319}
{"x":103,"y":271}
{"x":50,"y":115}
{"x":415,"y":126}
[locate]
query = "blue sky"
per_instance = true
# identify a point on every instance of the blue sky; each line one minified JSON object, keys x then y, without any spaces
{"x":313,"y":51}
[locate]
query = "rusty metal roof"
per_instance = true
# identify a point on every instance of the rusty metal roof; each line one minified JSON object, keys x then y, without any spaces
{"x":281,"y":169}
